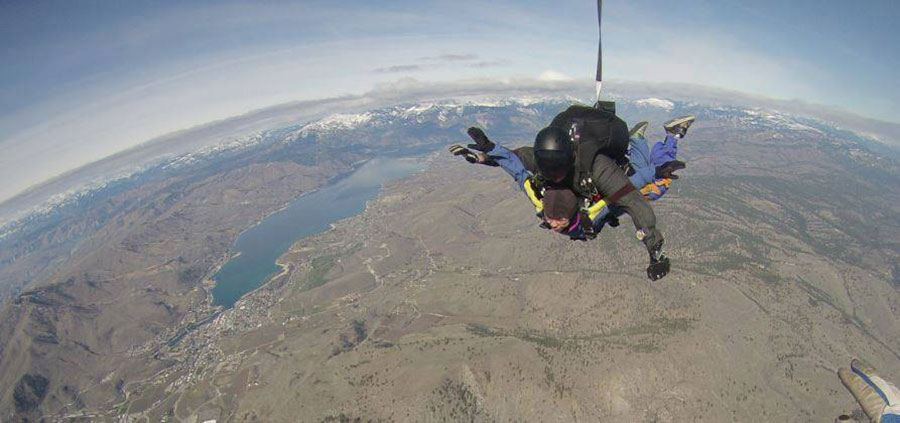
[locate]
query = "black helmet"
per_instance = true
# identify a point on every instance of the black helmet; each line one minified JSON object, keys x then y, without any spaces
{"x":554,"y":152}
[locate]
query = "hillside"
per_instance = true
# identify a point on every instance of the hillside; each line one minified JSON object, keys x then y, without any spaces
{"x":444,"y":301}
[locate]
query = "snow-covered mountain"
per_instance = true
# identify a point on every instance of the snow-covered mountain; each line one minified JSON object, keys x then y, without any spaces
{"x":439,"y":114}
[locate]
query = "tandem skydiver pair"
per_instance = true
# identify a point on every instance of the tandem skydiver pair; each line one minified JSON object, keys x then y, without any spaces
{"x":583,"y":170}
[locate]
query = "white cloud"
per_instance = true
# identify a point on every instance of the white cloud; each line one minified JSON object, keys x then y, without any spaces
{"x":98,"y":120}
{"x":698,"y":56}
{"x":552,"y":75}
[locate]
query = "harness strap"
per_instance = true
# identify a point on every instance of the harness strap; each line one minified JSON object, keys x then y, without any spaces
{"x":595,"y":209}
{"x":574,"y":225}
{"x":625,"y":190}
{"x":587,"y":225}
{"x":534,"y":196}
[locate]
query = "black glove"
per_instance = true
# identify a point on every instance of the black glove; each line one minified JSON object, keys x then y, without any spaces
{"x":659,"y":263}
{"x":459,"y":150}
{"x":658,"y":268}
{"x":482,"y":143}
{"x":471,"y":157}
{"x":668,"y":170}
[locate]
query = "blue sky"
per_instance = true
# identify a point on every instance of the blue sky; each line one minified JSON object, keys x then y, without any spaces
{"x":82,"y":80}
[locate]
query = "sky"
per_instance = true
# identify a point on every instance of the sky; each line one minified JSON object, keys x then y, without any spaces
{"x":83,"y":80}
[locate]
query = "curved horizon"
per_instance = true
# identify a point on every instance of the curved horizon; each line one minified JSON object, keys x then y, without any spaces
{"x":85,"y":82}
{"x":399,"y":92}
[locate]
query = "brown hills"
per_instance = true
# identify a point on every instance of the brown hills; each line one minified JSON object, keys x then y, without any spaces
{"x":445,"y":302}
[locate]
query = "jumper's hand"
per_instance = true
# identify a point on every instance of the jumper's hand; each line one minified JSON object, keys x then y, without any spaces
{"x":659,"y":263}
{"x":482,"y":143}
{"x":467,"y":154}
{"x":659,"y":268}
{"x":471,"y":157}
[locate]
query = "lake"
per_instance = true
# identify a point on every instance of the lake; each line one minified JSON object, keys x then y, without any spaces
{"x":310,"y":214}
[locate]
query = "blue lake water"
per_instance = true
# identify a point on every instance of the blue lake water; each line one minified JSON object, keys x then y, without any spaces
{"x":260,"y":245}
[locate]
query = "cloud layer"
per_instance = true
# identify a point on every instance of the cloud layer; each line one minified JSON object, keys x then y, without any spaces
{"x":83,"y":81}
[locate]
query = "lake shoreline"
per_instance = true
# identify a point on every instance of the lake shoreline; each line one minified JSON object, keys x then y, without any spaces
{"x":258,"y":249}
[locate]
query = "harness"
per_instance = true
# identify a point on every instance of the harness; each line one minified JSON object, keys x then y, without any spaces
{"x":593,"y":131}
